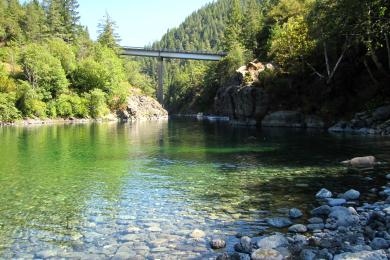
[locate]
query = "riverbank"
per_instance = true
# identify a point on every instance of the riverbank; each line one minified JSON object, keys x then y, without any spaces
{"x":342,"y":226}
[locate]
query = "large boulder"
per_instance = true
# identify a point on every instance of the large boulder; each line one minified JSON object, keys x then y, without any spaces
{"x":242,"y":104}
{"x":273,"y":241}
{"x":381,"y":113}
{"x":344,"y":216}
{"x":250,"y":73}
{"x":142,"y":108}
{"x":361,"y":162}
{"x":284,"y":119}
{"x":363,"y":255}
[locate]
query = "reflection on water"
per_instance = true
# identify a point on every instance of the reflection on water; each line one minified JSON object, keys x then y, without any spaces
{"x":110,"y":189}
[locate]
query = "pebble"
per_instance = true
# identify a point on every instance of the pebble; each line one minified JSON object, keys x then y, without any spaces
{"x":217,"y":244}
{"x":351,"y":195}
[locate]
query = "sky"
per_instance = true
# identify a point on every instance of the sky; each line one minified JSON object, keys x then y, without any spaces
{"x":139,"y":22}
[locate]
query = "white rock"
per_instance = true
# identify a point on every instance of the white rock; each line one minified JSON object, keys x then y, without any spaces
{"x":266,"y":254}
{"x":323,"y":194}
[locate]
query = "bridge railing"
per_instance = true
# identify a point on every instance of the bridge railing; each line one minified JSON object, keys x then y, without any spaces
{"x":175,"y":51}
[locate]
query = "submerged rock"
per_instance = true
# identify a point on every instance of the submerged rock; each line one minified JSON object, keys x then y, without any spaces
{"x":298,"y":228}
{"x":244,"y":246}
{"x":361,"y":162}
{"x":279,"y":222}
{"x":266,"y":254}
{"x":217,"y":244}
{"x":363,"y":255}
{"x":284,"y":119}
{"x":295,"y":213}
{"x":198,"y":234}
{"x":321,"y":211}
{"x":273,"y":241}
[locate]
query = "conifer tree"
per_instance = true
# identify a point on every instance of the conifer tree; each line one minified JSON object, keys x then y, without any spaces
{"x":107,"y":35}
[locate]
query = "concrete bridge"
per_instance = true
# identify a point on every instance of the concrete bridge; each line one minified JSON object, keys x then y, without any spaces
{"x":170,"y":54}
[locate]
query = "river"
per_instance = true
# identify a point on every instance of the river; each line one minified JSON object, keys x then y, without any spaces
{"x":139,"y":190}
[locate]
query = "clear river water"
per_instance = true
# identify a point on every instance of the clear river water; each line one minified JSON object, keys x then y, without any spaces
{"x":95,"y":191}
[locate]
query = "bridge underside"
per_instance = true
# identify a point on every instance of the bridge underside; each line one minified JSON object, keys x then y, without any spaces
{"x":167,"y":54}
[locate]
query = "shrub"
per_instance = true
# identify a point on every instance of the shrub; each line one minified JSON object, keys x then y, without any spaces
{"x":8,"y":111}
{"x":97,"y":103}
{"x":64,"y":53}
{"x":89,"y":75}
{"x":29,"y":101}
{"x":69,"y":105}
{"x":43,"y":71}
{"x":117,"y":98}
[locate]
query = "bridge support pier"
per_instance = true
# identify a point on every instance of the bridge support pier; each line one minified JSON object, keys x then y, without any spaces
{"x":160,"y":87}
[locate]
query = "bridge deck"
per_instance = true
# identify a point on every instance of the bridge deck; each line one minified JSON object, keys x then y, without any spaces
{"x":172,"y":54}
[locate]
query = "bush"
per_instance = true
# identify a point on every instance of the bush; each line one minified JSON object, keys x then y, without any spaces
{"x":69,"y":105}
{"x":8,"y":111}
{"x":89,"y":75}
{"x":62,"y":51}
{"x":97,"y":103}
{"x":51,"y":109}
{"x":117,"y":98}
{"x":29,"y":101}
{"x":43,"y":71}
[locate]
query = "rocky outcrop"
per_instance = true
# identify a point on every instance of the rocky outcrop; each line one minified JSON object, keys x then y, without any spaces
{"x":142,"y":108}
{"x":250,"y":73}
{"x":242,"y":104}
{"x":375,"y":122}
{"x":284,"y":119}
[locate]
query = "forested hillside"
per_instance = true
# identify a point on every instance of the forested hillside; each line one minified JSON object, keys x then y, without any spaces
{"x":332,"y":56}
{"x":49,"y":67}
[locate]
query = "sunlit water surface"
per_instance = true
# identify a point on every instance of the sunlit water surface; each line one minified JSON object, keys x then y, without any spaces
{"x":139,"y":190}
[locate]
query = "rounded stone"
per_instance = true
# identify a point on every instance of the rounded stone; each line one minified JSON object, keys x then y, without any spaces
{"x":217,"y":244}
{"x":297,"y":228}
{"x":379,"y":243}
{"x":388,"y":176}
{"x":198,"y":234}
{"x":266,"y":254}
{"x":279,"y":222}
{"x":351,"y":195}
{"x":336,"y":202}
{"x":295,"y":213}
{"x":323,"y":194}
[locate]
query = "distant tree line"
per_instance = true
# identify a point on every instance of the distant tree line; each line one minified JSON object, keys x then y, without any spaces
{"x":49,"y":66}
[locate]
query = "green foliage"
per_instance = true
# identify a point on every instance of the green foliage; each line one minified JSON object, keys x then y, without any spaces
{"x":97,"y":103}
{"x":291,"y":44}
{"x":233,"y":31}
{"x":71,"y":105}
{"x":62,"y":51}
{"x":30,"y":102}
{"x":107,"y":36}
{"x":138,"y":79}
{"x":89,"y":75}
{"x":43,"y":71}
{"x":8,"y":111}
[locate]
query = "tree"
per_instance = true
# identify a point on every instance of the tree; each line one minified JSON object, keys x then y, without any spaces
{"x":252,"y":23}
{"x":107,"y":36}
{"x":35,"y":24}
{"x":291,"y":44}
{"x":71,"y":19}
{"x":233,"y":30}
{"x":54,"y":9}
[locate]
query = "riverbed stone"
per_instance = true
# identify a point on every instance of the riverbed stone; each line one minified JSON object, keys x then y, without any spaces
{"x":217,"y":243}
{"x":363,"y":255}
{"x":379,"y":243}
{"x":308,"y":254}
{"x":273,"y":241}
{"x":279,"y":222}
{"x":336,"y":202}
{"x":46,"y":254}
{"x":298,"y":228}
{"x":351,"y":194}
{"x":315,"y":220}
{"x":313,"y":227}
{"x":323,"y":194}
{"x":344,"y":216}
{"x":323,"y":210}
{"x":198,"y":234}
{"x":244,"y":246}
{"x":266,"y":254}
{"x":295,"y":213}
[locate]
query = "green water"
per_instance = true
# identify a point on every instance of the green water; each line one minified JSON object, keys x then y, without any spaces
{"x":93,"y":190}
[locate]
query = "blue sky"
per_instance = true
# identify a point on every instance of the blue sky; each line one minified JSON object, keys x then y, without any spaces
{"x":139,"y":21}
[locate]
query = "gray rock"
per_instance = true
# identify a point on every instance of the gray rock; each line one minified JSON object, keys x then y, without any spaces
{"x":388,"y":176}
{"x":308,"y":254}
{"x":46,"y":254}
{"x":321,"y":211}
{"x":217,"y":244}
{"x":273,"y":241}
{"x":351,"y":195}
{"x":379,"y":243}
{"x":381,"y":113}
{"x":312,"y":121}
{"x":244,"y":246}
{"x":266,"y":254}
{"x":279,"y":222}
{"x":284,"y":119}
{"x":239,"y":256}
{"x":315,"y":220}
{"x":323,"y":194}
{"x":344,"y":216}
{"x":313,"y":227}
{"x":142,"y":108}
{"x":298,"y":228}
{"x":361,"y":162}
{"x":336,"y":202}
{"x":363,"y":255}
{"x":295,"y":213}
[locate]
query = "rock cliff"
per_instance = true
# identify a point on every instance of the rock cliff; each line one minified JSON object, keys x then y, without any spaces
{"x":141,"y":107}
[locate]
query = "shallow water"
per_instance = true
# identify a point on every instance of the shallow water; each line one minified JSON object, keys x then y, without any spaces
{"x":99,"y":190}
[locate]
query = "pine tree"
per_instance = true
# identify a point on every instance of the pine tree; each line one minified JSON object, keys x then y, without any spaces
{"x":107,"y":36}
{"x":233,"y":30}
{"x":34,"y":24}
{"x":252,"y":24}
{"x":55,"y":20}
{"x":71,"y":18}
